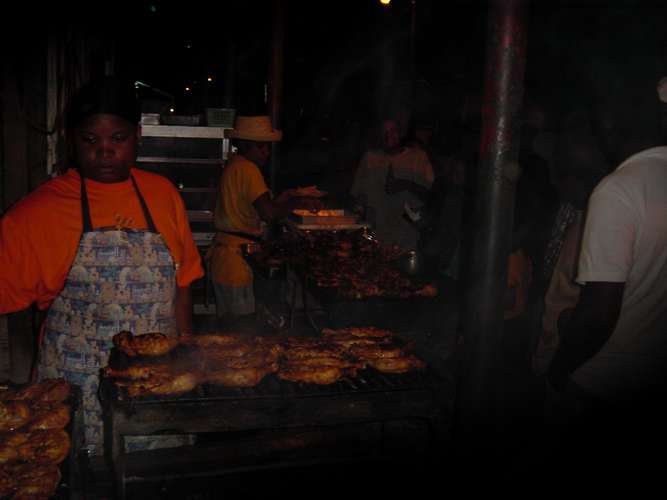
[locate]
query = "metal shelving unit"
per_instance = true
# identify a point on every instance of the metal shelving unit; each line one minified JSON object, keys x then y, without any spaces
{"x":192,"y":157}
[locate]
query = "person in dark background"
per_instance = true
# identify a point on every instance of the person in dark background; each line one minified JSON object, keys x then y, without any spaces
{"x":576,"y":166}
{"x":105,"y":247}
{"x":609,"y":374}
{"x":442,"y":217}
{"x":387,"y":179}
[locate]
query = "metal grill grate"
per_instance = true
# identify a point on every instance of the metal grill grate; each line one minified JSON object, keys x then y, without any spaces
{"x":271,"y":387}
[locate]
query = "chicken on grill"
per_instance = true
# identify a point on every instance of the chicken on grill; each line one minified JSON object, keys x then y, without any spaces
{"x":358,"y":331}
{"x":214,"y":360}
{"x":54,"y":390}
{"x":9,"y":443}
{"x":162,"y":385}
{"x":14,"y":415}
{"x":45,"y":447}
{"x":29,"y":481}
{"x":204,"y":341}
{"x":321,"y":375}
{"x":376,"y":351}
{"x":147,"y":344}
{"x":47,"y":416}
{"x":139,"y":372}
{"x":397,"y":365}
{"x":239,"y":377}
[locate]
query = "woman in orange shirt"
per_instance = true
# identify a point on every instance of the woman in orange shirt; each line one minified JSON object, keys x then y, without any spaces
{"x":105,"y":247}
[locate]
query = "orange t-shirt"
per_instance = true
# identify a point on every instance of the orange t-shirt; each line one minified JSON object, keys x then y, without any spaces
{"x":39,"y":236}
{"x":241,"y":184}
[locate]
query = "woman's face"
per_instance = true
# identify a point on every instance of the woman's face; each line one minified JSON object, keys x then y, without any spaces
{"x":391,"y":137}
{"x":105,"y":147}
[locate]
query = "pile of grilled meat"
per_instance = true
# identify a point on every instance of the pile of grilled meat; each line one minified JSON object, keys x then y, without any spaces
{"x":33,"y":439}
{"x":356,"y":266}
{"x":172,"y":366}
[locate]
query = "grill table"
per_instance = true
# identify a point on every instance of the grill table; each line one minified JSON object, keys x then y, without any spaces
{"x":346,"y":406}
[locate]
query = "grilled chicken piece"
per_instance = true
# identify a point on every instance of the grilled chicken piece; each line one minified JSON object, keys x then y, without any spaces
{"x":397,"y":365}
{"x":239,"y":377}
{"x":323,"y":362}
{"x":429,"y":290}
{"x":139,"y":372}
{"x":213,"y":340}
{"x":9,"y":443}
{"x":55,"y":390}
{"x":48,"y":416}
{"x":360,"y":331}
{"x":214,"y":360}
{"x":14,"y":415}
{"x":34,"y":481}
{"x":148,"y":344}
{"x":45,"y":447}
{"x":376,"y":351}
{"x":226,"y":351}
{"x":346,"y":340}
{"x":315,"y":375}
{"x":321,"y":351}
{"x":164,"y":385}
{"x":7,"y":482}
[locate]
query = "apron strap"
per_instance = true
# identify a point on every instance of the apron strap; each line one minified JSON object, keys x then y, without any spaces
{"x":144,"y":207}
{"x":85,"y":207}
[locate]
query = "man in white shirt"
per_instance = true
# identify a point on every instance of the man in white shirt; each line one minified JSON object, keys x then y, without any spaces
{"x":614,"y":346}
{"x":410,"y":177}
{"x":609,"y":374}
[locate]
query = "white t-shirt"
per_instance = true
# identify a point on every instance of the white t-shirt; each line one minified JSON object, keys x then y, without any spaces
{"x":625,"y":240}
{"x":387,"y":209}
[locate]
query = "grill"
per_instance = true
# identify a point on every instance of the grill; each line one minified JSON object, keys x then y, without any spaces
{"x":348,"y":410}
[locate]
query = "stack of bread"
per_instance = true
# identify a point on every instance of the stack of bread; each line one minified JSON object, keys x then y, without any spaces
{"x":33,"y":439}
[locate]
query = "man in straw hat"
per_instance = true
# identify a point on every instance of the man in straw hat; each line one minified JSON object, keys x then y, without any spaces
{"x":243,"y":204}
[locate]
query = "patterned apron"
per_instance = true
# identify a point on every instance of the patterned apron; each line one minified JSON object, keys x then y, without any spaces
{"x":121,"y":279}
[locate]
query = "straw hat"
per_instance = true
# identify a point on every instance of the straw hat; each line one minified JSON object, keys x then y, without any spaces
{"x":254,"y":128}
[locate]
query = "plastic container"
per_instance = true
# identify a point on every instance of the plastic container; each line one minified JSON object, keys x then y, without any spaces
{"x":220,"y":117}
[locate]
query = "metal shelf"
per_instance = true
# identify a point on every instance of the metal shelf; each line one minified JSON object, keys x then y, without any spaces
{"x":189,"y":161}
{"x":183,"y":131}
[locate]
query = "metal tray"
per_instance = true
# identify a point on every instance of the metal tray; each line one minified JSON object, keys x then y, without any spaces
{"x":329,"y":217}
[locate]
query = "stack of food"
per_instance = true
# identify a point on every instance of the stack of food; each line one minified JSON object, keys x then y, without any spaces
{"x":238,"y":360}
{"x":357,"y":267}
{"x":231,"y":360}
{"x":33,"y":439}
{"x":375,"y":348}
{"x":148,"y":372}
{"x":235,"y":360}
{"x":316,"y":361}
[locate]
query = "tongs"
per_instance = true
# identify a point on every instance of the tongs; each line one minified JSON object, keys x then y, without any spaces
{"x":370,"y":236}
